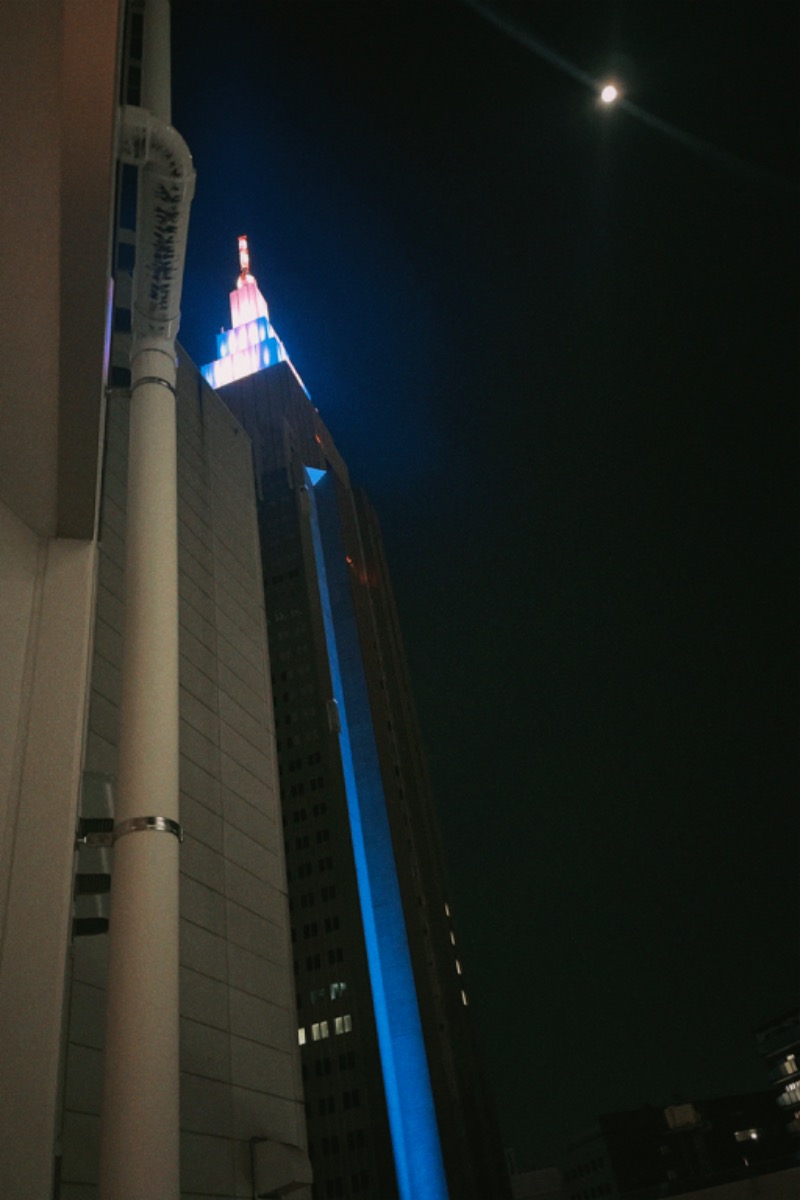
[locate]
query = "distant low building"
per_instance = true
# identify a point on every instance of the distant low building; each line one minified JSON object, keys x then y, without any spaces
{"x":681,"y":1148}
{"x":779,"y":1045}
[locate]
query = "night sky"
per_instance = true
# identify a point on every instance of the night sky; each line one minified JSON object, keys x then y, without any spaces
{"x":557,"y":344}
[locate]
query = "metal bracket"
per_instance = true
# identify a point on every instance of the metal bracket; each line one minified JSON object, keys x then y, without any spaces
{"x":95,"y":839}
{"x":155,"y":824}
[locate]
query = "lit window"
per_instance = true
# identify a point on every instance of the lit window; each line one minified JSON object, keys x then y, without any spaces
{"x":319,"y":1030}
{"x":447,"y":910}
{"x":301,"y":1036}
{"x":343,"y":1024}
{"x":464,"y":1000}
{"x":337,"y":990}
{"x":458,"y":967}
{"x":452,"y":938}
{"x":746,"y":1135}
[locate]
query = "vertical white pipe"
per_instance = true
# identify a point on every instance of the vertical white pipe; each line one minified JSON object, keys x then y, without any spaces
{"x":140,"y":1123}
{"x":140,"y":1145}
{"x":156,"y":85}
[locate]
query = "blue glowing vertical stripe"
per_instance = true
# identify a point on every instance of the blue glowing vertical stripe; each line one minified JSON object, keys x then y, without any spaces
{"x":409,"y":1097}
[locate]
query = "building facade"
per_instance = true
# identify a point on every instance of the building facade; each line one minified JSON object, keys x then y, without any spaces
{"x":395,"y":1098}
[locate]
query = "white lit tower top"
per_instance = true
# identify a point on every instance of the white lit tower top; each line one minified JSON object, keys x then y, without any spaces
{"x":251,"y":344}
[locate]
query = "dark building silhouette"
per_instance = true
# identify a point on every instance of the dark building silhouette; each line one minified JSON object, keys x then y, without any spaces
{"x":650,"y":1152}
{"x":779,"y":1044}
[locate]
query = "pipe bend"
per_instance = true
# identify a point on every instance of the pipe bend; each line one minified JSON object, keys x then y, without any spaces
{"x":147,"y":140}
{"x":166,"y":187}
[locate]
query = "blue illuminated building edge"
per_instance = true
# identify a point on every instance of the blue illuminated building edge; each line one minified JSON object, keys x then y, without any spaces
{"x":409,"y":1096}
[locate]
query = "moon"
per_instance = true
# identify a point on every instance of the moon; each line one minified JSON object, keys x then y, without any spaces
{"x":609,"y":93}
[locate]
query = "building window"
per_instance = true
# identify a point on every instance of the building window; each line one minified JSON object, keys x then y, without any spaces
{"x":343,"y":1024}
{"x":319,"y":1031}
{"x":301,"y":1036}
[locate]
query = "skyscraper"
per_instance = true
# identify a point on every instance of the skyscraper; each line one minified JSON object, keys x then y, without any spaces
{"x":394,"y":1097}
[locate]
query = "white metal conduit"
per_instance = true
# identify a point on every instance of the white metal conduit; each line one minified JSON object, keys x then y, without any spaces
{"x":140,"y":1128}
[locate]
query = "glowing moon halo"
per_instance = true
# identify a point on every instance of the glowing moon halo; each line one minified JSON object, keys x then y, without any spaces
{"x":609,"y":94}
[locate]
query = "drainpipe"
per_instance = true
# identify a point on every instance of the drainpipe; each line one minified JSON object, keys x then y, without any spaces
{"x":140,"y":1119}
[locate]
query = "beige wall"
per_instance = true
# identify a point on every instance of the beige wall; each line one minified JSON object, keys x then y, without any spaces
{"x":58,"y":65}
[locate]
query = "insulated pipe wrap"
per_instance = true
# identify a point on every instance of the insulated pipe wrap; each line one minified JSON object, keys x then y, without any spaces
{"x":166,"y":187}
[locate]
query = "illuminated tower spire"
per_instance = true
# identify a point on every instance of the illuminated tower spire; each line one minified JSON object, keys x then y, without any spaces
{"x":244,"y":262}
{"x":247,"y":303}
{"x":251,"y":344}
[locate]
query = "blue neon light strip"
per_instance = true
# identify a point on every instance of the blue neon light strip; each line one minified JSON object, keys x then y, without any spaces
{"x":409,"y":1097}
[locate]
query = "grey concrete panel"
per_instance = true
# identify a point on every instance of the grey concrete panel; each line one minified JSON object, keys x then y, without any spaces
{"x":198,"y":525}
{"x":243,"y":579}
{"x":247,"y":853}
{"x":104,"y":718}
{"x":199,"y":749}
{"x":100,"y":754}
{"x":113,"y":519}
{"x":192,"y":493}
{"x":114,"y":489}
{"x":234,"y":548}
{"x":205,"y":1050}
{"x":252,"y":702}
{"x":254,"y":933}
{"x":195,"y":623}
{"x":259,"y":824}
{"x":256,"y":761}
{"x":84,"y":1079}
{"x":106,"y":676}
{"x":249,"y":890}
{"x":258,"y":1115}
{"x":190,"y":456}
{"x":194,"y":548}
{"x":264,"y":864}
{"x":203,"y":951}
{"x":206,"y":1166}
{"x":258,"y":1020}
{"x":200,"y":785}
{"x":202,"y":864}
{"x":79,"y":1191}
{"x":202,"y":823}
{"x":204,"y":999}
{"x":261,"y":1068}
{"x":90,"y":960}
{"x":202,"y":905}
{"x":201,"y":718}
{"x":203,"y":603}
{"x":253,"y":728}
{"x":199,"y":569}
{"x":108,"y":642}
{"x":235,"y":778}
{"x":87,"y":1014}
{"x":206,"y":1105}
{"x":260,"y":976}
{"x":202,"y":658}
{"x":81,"y":1140}
{"x":252,"y":670}
{"x":112,"y":573}
{"x":245,"y":631}
{"x":110,"y":609}
{"x":196,"y":683}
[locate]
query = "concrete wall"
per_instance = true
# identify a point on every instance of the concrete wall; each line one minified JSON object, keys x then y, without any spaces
{"x":239,"y":1054}
{"x":58,"y":65}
